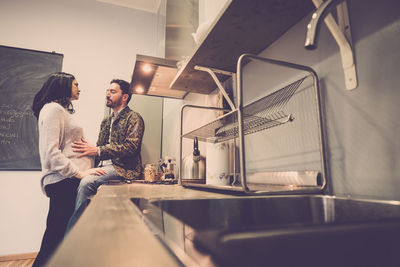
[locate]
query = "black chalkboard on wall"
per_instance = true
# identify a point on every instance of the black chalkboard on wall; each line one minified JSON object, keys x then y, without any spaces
{"x":22,"y":74}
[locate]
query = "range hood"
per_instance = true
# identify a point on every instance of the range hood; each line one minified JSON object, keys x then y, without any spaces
{"x":152,"y":76}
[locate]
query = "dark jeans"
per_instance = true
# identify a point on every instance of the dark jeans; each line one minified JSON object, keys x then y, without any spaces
{"x":62,"y":201}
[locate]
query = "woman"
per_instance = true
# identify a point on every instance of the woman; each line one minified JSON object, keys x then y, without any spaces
{"x":61,"y":168}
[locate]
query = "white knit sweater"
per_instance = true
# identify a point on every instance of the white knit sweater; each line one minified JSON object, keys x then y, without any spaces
{"x":57,"y":132}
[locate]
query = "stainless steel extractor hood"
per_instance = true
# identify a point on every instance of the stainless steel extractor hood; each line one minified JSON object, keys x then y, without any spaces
{"x":152,"y":76}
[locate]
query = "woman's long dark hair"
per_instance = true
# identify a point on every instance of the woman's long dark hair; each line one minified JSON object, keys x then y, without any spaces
{"x":57,"y":88}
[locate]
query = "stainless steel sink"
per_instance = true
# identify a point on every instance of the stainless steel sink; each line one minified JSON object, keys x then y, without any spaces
{"x":306,"y":230}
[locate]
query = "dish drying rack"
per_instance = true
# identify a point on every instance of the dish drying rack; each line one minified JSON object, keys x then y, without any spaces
{"x":260,"y":115}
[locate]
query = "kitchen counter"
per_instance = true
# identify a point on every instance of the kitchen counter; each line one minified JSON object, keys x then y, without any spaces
{"x":111,"y":231}
{"x":316,"y":230}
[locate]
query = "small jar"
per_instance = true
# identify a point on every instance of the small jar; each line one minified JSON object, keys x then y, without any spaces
{"x":151,"y":173}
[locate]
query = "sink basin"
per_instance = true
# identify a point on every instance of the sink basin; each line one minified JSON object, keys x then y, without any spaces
{"x":306,"y":230}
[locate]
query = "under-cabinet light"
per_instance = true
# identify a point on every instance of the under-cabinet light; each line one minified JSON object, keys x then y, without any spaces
{"x":152,"y":76}
{"x":139,"y":89}
{"x":147,"y":68}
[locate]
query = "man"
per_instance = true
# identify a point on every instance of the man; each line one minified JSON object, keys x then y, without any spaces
{"x":118,"y":146}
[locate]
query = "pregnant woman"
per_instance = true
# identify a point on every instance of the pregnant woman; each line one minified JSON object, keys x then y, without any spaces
{"x":62,"y":170}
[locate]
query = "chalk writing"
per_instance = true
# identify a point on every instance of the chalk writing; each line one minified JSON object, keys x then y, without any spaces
{"x":14,"y":113}
{"x":5,"y":126}
{"x":3,"y":105}
{"x":6,"y":119}
{"x":9,"y":135}
{"x":10,"y":117}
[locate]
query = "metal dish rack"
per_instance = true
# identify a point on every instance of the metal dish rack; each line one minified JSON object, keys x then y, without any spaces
{"x":260,"y":115}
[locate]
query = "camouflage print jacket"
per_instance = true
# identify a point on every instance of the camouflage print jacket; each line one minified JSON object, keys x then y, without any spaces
{"x":125,"y":143}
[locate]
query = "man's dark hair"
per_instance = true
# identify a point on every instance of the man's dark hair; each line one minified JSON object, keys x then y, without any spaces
{"x":124,"y":85}
{"x":57,"y":88}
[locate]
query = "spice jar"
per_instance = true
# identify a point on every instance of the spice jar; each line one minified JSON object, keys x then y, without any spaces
{"x":151,"y":173}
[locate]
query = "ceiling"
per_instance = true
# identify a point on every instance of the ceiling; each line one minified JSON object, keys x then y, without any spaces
{"x":145,"y":5}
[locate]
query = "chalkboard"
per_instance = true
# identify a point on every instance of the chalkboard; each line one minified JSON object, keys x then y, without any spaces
{"x":22,"y":74}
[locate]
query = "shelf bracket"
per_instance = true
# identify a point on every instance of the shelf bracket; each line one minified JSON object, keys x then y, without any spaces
{"x":342,"y":35}
{"x":212,"y":72}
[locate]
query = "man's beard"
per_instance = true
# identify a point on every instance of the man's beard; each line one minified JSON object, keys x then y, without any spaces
{"x":112,"y":104}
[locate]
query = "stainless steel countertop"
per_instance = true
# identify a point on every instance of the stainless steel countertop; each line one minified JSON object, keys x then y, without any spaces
{"x":111,"y":231}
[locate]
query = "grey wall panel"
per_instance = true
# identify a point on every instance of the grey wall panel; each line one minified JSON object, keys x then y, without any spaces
{"x":362,"y":125}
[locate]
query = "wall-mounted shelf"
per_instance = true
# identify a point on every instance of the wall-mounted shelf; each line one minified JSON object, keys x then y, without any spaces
{"x":242,"y":27}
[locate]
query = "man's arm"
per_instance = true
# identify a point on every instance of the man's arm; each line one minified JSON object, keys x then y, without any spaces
{"x":87,"y":149}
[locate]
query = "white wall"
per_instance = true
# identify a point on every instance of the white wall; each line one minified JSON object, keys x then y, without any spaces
{"x":209,"y":9}
{"x":99,"y":42}
{"x":151,"y":143}
{"x":192,"y":119}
